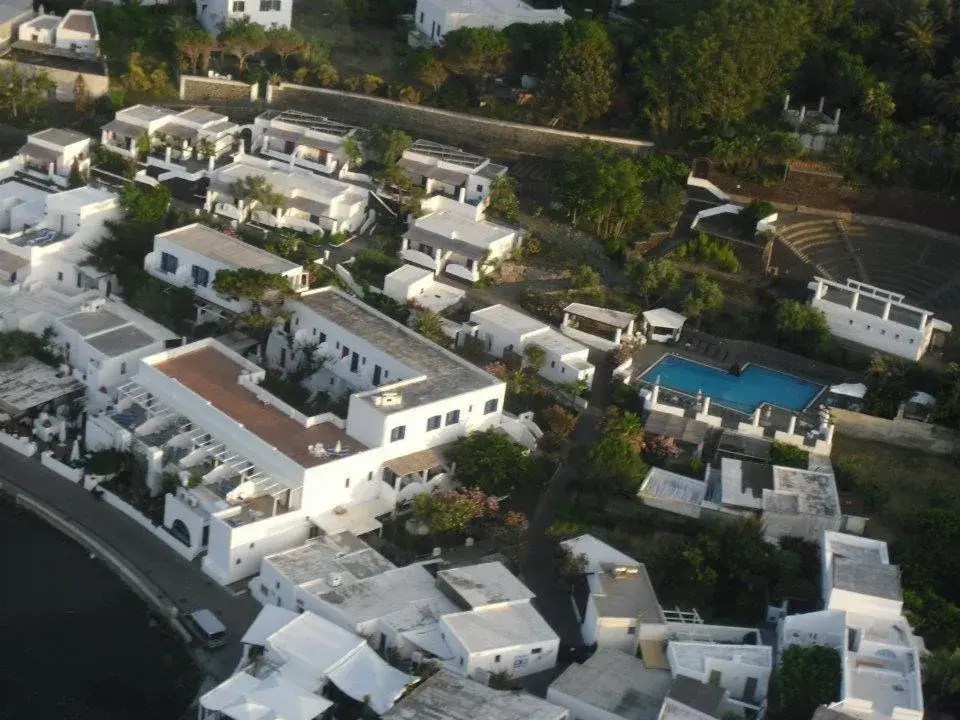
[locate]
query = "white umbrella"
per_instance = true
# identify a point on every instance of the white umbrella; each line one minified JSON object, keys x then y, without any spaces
{"x":854,"y":390}
{"x":75,"y":452}
{"x":922,"y":398}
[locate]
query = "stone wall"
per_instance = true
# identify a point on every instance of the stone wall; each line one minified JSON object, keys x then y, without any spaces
{"x":479,"y":134}
{"x":195,"y":88}
{"x":899,"y":431}
{"x":97,"y":85}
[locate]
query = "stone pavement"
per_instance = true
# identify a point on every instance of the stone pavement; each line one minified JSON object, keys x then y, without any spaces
{"x":180,"y":583}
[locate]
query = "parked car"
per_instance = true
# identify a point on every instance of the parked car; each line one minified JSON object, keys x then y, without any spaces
{"x":206,"y":627}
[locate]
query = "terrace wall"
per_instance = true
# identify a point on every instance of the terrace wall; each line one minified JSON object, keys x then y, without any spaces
{"x":901,"y":432}
{"x":196,"y":88}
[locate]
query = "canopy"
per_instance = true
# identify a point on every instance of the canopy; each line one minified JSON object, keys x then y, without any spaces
{"x":270,"y":620}
{"x":664,"y":318}
{"x":922,"y":398}
{"x":365,"y":675}
{"x":856,"y":390}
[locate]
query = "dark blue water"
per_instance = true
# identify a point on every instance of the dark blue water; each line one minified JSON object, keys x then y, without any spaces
{"x":756,"y":384}
{"x":75,"y":642}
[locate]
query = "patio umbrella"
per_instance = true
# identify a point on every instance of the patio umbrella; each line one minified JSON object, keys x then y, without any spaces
{"x":854,"y":390}
{"x":75,"y":452}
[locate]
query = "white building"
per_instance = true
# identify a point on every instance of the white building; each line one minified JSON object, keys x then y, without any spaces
{"x":303,"y":140}
{"x":310,"y":203}
{"x":184,"y":142}
{"x":504,"y":331}
{"x":598,"y":327}
{"x":743,"y":670}
{"x":44,"y":238}
{"x":104,"y":341}
{"x":50,"y":155}
{"x":12,"y":14}
{"x":434,"y":18}
{"x":299,"y":661}
{"x":611,"y":685}
{"x":877,"y":318}
{"x":662,"y":325}
{"x":410,"y":284}
{"x":614,"y":597}
{"x":212,"y":14}
{"x":444,"y":170}
{"x":455,"y":238}
{"x":862,"y":620}
{"x":76,"y":32}
{"x":447,"y":696}
{"x":259,"y":476}
{"x":192,"y":256}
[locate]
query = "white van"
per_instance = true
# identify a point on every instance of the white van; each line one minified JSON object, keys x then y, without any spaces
{"x":206,"y":627}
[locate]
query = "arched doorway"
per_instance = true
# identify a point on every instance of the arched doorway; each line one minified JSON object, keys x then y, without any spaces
{"x":180,"y":532}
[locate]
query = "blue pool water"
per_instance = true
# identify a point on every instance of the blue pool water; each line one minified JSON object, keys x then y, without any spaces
{"x":756,"y":384}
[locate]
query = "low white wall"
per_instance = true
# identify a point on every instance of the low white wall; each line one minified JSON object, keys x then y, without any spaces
{"x":622,"y":370}
{"x":728,"y":209}
{"x":24,"y":446}
{"x":708,"y":186}
{"x":72,"y":474}
{"x":145,"y":522}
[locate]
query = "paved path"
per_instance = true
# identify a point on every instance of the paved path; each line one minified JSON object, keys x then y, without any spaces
{"x":181,"y":583}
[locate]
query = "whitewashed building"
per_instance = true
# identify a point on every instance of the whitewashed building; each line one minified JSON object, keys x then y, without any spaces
{"x":214,"y":13}
{"x":434,"y":18}
{"x":417,"y":286}
{"x":76,"y":32}
{"x":309,"y":202}
{"x":877,"y":318}
{"x":455,"y":238}
{"x":186,"y":141}
{"x":192,"y":255}
{"x":50,"y":155}
{"x":444,"y":170}
{"x":598,"y":327}
{"x":503,"y":330}
{"x":862,"y":619}
{"x":303,"y":140}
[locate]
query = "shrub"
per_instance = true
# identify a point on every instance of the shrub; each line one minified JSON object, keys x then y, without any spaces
{"x":789,"y":455}
{"x":710,"y":251}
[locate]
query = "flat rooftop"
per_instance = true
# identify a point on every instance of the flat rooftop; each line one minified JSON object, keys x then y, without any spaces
{"x":693,"y":656}
{"x":201,"y":116}
{"x":58,"y":136}
{"x":27,"y":384}
{"x":344,"y":554}
{"x":485,"y":584}
{"x":498,"y":627}
{"x":214,"y":377}
{"x":144,"y":113}
{"x":626,"y":596}
{"x":448,"y":153}
{"x":867,"y":578}
{"x":228,"y":250}
{"x":445,"y":374}
{"x":616,"y":683}
{"x":815,"y":490}
{"x":87,"y":323}
{"x":606,"y":316}
{"x":309,"y":121}
{"x":744,"y":482}
{"x":506,"y":317}
{"x":859,"y":549}
{"x":290,"y":184}
{"x":666,"y":485}
{"x":384,"y":594}
{"x":450,"y":228}
{"x":448,"y":696}
{"x":121,"y":341}
{"x":688,"y":694}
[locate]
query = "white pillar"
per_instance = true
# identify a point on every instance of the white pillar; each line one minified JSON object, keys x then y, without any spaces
{"x":706,"y":405}
{"x":820,"y":106}
{"x":854,"y":299}
{"x":462,"y":195}
{"x":886,"y":310}
{"x":616,"y":336}
{"x":208,"y":202}
{"x":210,"y":162}
{"x":924,"y":320}
{"x":836,"y":117}
{"x":166,"y":154}
{"x":655,"y":394}
{"x":755,"y":418}
{"x":792,"y":425}
{"x":566,"y":320}
{"x":830,"y":428}
{"x":786,"y":102}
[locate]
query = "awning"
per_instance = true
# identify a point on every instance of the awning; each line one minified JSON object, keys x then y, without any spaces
{"x":664,"y":318}
{"x":419,"y":461}
{"x":359,"y":519}
{"x":854,"y":390}
{"x":39,"y":153}
{"x":126,"y":129}
{"x":430,"y":641}
{"x":366,"y":676}
{"x":270,"y":619}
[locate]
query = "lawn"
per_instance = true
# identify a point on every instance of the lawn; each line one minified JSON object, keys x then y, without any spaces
{"x":892,"y":484}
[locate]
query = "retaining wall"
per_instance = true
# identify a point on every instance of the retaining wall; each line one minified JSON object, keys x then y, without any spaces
{"x":74,"y":475}
{"x":468,"y":131}
{"x":23,"y":445}
{"x":197,"y":88}
{"x":899,"y":431}
{"x":147,"y":524}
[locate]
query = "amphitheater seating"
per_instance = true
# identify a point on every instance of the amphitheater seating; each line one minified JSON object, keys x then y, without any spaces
{"x":925,"y":270}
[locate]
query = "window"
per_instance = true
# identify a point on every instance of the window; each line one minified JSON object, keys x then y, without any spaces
{"x":632,"y":630}
{"x":869,"y":326}
{"x":264,"y":590}
{"x":314,"y":332}
{"x":251,"y":546}
{"x":553,"y":363}
{"x":322,"y":338}
{"x":850,"y":321}
{"x":536,"y":651}
{"x":433,"y":423}
{"x":562,"y":370}
{"x":299,"y":605}
{"x":237,"y":561}
{"x":278,"y":584}
{"x":201,"y":277}
{"x":269,"y":5}
{"x":60,"y":276}
{"x":421,"y":18}
{"x":346,"y":483}
{"x":496,"y":658}
{"x":883,"y":332}
{"x":370,"y":476}
{"x":168,"y":263}
{"x":897,"y":336}
{"x":238,"y":6}
{"x":479,"y":188}
{"x":123,"y":367}
{"x":398,"y":433}
{"x":453,"y":417}
{"x":490,"y":406}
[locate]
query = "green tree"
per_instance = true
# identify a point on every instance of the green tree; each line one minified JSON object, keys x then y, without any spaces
{"x":503,"y":198}
{"x":453,"y":512}
{"x":557,"y":424}
{"x":809,"y":677}
{"x":195,"y":44}
{"x":535,"y":355}
{"x":431,"y":71}
{"x":579,"y":85}
{"x":615,"y":465}
{"x":284,"y":42}
{"x":941,"y":680}
{"x":704,"y":298}
{"x":946,"y":411}
{"x":476,"y":52}
{"x":430,"y":325}
{"x":654,"y":278}
{"x":241,"y":39}
{"x":920,"y":38}
{"x":789,"y":455}
{"x":21,"y":93}
{"x":257,"y":286}
{"x":76,"y":178}
{"x":351,"y":149}
{"x":584,"y":277}
{"x":81,"y":96}
{"x":889,"y":382}
{"x":388,"y":145}
{"x":800,"y":327}
{"x":491,"y":461}
{"x":256,"y":192}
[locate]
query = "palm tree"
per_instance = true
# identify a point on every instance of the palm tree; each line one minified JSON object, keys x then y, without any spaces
{"x":948,"y":95}
{"x":920,"y":38}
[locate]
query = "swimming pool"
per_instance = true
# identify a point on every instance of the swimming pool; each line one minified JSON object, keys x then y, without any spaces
{"x":755,"y":385}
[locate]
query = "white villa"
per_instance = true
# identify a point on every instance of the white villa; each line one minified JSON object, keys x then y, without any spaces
{"x":181,"y":142}
{"x":259,"y":476}
{"x":504,"y":331}
{"x":455,"y":238}
{"x":862,"y":619}
{"x":294,"y":669}
{"x":76,"y":32}
{"x":433,"y":18}
{"x":310,"y":203}
{"x":51,"y":154}
{"x":303,"y":140}
{"x":877,"y":318}
{"x":598,"y":327}
{"x":214,"y":13}
{"x":419,"y":286}
{"x":192,"y":255}
{"x":449,"y":171}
